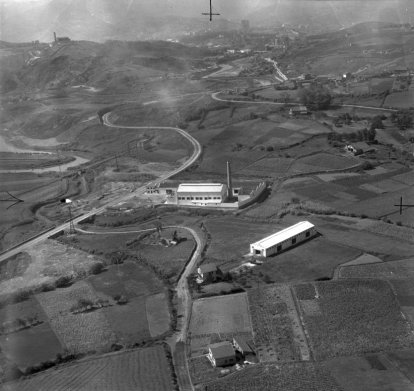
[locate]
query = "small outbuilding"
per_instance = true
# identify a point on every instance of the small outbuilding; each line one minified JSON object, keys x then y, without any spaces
{"x":221,"y":354}
{"x":242,"y":346}
{"x":284,"y":239}
{"x":209,"y":272}
{"x":298,"y":110}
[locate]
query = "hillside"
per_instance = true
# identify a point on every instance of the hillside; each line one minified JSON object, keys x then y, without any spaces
{"x":110,"y":65}
{"x":364,"y":48}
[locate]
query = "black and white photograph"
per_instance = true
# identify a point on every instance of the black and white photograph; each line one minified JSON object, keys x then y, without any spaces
{"x":206,"y":195}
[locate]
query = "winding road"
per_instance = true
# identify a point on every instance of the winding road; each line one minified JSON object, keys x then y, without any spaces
{"x":140,"y":191}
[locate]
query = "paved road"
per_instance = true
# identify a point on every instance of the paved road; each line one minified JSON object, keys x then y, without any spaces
{"x":195,"y":155}
{"x":215,"y":97}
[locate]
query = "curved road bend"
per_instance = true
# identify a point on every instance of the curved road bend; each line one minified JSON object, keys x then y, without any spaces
{"x":195,"y":155}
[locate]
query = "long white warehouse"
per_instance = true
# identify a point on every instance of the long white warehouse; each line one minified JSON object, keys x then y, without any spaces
{"x":284,"y":239}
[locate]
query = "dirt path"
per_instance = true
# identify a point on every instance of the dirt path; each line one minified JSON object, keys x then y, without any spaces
{"x":177,"y":342}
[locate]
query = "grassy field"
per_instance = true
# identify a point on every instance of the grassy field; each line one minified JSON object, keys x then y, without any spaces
{"x":350,"y":317}
{"x":287,"y":377}
{"x":43,"y":264}
{"x":81,"y":332}
{"x":141,"y":370}
{"x":223,"y":315}
{"x":278,"y":334}
{"x":368,"y":373}
{"x":231,"y":237}
{"x":128,"y":321}
{"x":385,"y":270}
{"x":31,"y":346}
{"x":158,"y":314}
{"x":129,"y":279}
{"x":311,"y":260}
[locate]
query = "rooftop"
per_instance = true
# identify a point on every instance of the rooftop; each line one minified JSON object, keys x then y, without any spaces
{"x":200,"y":187}
{"x":222,"y":350}
{"x":208,"y":267}
{"x":244,"y":345}
{"x":283,"y":235}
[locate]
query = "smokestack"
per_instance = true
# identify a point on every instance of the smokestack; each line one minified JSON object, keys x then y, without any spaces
{"x":54,"y":35}
{"x":229,"y":185}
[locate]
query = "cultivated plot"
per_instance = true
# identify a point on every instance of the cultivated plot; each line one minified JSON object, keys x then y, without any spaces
{"x":354,"y":316}
{"x":140,"y":370}
{"x":220,"y":315}
{"x":287,"y":377}
{"x":79,"y":332}
{"x":278,"y":333}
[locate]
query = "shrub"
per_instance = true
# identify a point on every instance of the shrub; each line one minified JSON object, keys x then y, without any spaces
{"x":63,"y":281}
{"x":97,"y":268}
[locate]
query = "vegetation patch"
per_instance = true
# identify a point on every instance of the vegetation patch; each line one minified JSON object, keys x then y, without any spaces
{"x":287,"y":377}
{"x":356,"y":316}
{"x":129,"y":321}
{"x":81,"y":332}
{"x":274,"y":319}
{"x":141,"y":370}
{"x":158,"y":314}
{"x":31,"y":346}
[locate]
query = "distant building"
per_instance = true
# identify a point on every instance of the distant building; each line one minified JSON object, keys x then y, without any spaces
{"x":298,"y":110}
{"x":284,"y":239}
{"x":242,"y":346}
{"x":359,"y":148}
{"x":209,"y":272}
{"x":201,"y":193}
{"x":221,"y":354}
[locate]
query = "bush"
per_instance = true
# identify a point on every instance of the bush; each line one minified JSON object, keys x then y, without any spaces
{"x":63,"y":282}
{"x":97,"y":268}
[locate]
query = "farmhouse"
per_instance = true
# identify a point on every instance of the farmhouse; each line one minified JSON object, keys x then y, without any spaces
{"x":201,"y":193}
{"x":298,"y":110}
{"x":209,"y":272}
{"x":284,"y":239}
{"x":221,"y":354}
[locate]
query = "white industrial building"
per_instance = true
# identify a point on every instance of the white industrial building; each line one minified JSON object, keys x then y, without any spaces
{"x":201,"y":193}
{"x":284,"y":239}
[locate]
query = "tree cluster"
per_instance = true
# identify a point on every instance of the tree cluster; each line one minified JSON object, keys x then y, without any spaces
{"x":361,"y":135}
{"x":403,"y":119}
{"x":316,"y":97}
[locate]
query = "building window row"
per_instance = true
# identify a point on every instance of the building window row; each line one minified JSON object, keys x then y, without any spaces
{"x":198,"y":198}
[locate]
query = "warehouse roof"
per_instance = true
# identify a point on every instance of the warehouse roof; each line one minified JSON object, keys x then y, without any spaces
{"x":200,"y":188}
{"x":283,"y":235}
{"x":222,"y":350}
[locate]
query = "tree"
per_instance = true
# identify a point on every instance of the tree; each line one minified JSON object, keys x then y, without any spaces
{"x":316,"y":98}
{"x":377,"y":123}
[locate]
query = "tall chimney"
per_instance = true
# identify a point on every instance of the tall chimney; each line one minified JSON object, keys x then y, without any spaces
{"x":229,"y":185}
{"x":54,"y":35}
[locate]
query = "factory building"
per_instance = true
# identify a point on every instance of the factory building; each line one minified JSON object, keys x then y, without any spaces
{"x":201,"y":193}
{"x":282,"y":240}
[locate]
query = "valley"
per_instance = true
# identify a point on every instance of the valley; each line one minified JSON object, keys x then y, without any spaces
{"x":123,"y":287}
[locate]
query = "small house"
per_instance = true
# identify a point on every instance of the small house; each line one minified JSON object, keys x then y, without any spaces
{"x":209,"y":272}
{"x":298,"y":110}
{"x":241,"y":345}
{"x":222,"y":354}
